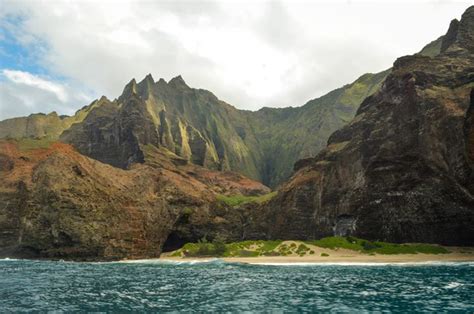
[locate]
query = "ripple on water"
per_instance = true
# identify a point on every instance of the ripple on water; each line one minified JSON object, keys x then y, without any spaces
{"x":217,"y":286}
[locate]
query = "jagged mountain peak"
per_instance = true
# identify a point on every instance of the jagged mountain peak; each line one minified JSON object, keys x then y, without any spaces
{"x":148,"y":78}
{"x":147,"y":86}
{"x":178,"y":81}
{"x":469,"y":13}
{"x":402,"y":170}
{"x":450,"y":36}
{"x":130,"y":88}
{"x":392,"y":161}
{"x":196,"y":125}
{"x":103,"y":99}
{"x":460,"y":34}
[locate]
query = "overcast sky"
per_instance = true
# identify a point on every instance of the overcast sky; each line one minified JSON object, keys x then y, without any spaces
{"x":60,"y":55}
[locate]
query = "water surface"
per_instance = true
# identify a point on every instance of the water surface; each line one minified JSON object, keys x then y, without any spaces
{"x":218,"y":286}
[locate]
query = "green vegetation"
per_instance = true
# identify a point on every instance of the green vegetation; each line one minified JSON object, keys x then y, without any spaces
{"x":25,"y":144}
{"x":335,"y":243}
{"x":268,"y":246}
{"x":234,"y":249}
{"x":177,"y":253}
{"x":263,"y":145}
{"x":202,"y":248}
{"x":379,"y":247}
{"x":294,"y":248}
{"x":284,"y":249}
{"x":433,"y":48}
{"x":235,"y":200}
{"x":302,"y":249}
{"x":187,"y":211}
{"x":256,"y":248}
{"x":290,"y":134}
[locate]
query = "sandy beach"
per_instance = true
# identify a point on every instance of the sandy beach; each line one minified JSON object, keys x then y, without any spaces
{"x":343,"y":256}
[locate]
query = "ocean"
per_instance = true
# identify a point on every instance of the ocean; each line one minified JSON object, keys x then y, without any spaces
{"x":218,"y":286}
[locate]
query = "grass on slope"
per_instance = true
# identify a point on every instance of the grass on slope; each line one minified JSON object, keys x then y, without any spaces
{"x":254,"y":248}
{"x":379,"y":247}
{"x":235,"y":249}
{"x":238,"y":199}
{"x":25,"y":144}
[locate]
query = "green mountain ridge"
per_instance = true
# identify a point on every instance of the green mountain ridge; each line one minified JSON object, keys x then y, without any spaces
{"x":194,"y":124}
{"x":130,"y":185}
{"x":403,"y":169}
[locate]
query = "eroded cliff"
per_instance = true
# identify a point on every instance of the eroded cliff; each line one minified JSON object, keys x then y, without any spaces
{"x":402,"y":170}
{"x":57,"y":203}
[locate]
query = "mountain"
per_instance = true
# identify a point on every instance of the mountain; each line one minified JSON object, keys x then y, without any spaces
{"x":197,"y":126}
{"x":194,"y":124}
{"x":403,"y":169}
{"x":143,"y":189}
{"x":289,"y":134}
{"x":57,"y":203}
{"x":149,"y":171}
{"x":40,"y":125}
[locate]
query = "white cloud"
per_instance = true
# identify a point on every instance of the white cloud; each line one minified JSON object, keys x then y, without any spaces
{"x":35,"y":81}
{"x":249,"y":53}
{"x":22,"y":93}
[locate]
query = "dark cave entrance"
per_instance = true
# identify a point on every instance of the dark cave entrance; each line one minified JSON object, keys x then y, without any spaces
{"x":173,"y":242}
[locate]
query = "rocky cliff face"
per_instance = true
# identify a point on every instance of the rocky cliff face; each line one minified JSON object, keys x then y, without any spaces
{"x":138,"y":176}
{"x":290,"y":134}
{"x":199,"y":127}
{"x":57,"y":203}
{"x":402,"y":170}
{"x":196,"y":125}
{"x":39,"y":125}
{"x":190,"y":123}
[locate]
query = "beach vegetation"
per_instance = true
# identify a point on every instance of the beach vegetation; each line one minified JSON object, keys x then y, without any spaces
{"x":218,"y":248}
{"x":302,"y":249}
{"x":366,"y":246}
{"x":254,"y":248}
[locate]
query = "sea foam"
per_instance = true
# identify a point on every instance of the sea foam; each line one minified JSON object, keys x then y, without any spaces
{"x":433,"y":263}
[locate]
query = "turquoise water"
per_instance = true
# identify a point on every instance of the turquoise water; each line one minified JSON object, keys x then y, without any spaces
{"x":218,"y":286}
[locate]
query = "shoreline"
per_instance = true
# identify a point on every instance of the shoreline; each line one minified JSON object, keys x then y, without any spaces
{"x":339,"y":256}
{"x":319,"y":256}
{"x":356,"y":259}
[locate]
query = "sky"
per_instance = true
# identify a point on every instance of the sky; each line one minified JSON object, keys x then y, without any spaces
{"x":61,"y":55}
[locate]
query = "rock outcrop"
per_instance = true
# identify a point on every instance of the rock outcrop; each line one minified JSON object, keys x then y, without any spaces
{"x":402,"y":170}
{"x":139,"y":174}
{"x":197,"y":126}
{"x":57,"y":203}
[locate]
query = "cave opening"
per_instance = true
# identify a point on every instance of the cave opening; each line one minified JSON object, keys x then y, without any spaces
{"x":174,"y":242}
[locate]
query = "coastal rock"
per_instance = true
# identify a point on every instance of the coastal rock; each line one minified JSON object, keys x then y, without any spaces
{"x":147,"y":172}
{"x":57,"y":203}
{"x":402,"y":170}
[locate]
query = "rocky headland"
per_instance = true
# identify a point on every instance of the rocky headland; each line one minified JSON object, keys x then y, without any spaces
{"x":165,"y":164}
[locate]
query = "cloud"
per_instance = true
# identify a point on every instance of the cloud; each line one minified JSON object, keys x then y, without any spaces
{"x":34,"y":81}
{"x":22,"y":93}
{"x":249,"y":53}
